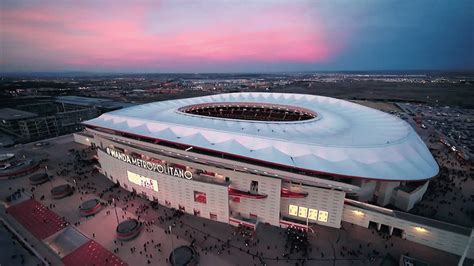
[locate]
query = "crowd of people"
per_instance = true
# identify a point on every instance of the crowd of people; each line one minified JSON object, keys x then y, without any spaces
{"x":296,"y":241}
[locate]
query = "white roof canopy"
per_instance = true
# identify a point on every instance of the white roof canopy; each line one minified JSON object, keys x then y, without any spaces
{"x":343,"y":139}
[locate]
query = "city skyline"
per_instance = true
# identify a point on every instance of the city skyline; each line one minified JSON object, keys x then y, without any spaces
{"x":235,"y":36}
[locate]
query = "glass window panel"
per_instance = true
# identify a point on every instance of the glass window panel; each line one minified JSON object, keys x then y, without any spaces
{"x":313,"y":214}
{"x":323,"y":216}
{"x":303,"y":212}
{"x":293,"y":210}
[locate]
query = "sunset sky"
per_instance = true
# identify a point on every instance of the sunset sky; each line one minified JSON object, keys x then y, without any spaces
{"x":235,"y":36}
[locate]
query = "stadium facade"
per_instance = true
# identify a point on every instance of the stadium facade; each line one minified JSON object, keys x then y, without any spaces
{"x":249,"y":158}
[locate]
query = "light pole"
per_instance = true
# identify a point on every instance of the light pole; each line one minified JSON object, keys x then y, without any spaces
{"x":75,"y":188}
{"x":172,"y":246}
{"x":50,"y":179}
{"x":115,"y":208}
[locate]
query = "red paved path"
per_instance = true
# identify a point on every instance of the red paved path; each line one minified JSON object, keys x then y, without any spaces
{"x":36,"y":218}
{"x":91,"y":253}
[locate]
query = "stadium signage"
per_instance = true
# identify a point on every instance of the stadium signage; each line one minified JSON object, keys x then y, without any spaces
{"x":151,"y":166}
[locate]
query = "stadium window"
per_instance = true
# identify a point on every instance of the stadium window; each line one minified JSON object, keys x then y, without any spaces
{"x":136,"y":155}
{"x":200,"y":197}
{"x":254,"y":186}
{"x":293,"y":210}
{"x":313,"y":214}
{"x":323,"y":216}
{"x":175,"y":165}
{"x":303,"y":212}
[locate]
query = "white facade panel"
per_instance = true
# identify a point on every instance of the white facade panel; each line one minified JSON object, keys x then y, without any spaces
{"x":267,"y":209}
{"x":330,"y":201}
{"x":177,"y":191}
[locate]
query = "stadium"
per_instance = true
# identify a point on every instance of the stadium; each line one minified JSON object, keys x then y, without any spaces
{"x":275,"y":158}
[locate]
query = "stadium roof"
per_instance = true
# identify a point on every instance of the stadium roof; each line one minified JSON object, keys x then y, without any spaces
{"x":88,"y":101}
{"x":15,"y":114}
{"x":343,"y":138}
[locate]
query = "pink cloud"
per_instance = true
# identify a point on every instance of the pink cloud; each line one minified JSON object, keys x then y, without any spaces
{"x":124,"y":37}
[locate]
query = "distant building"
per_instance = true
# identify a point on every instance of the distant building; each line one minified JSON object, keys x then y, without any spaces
{"x":9,"y":119}
{"x":103,"y":104}
{"x":48,"y":119}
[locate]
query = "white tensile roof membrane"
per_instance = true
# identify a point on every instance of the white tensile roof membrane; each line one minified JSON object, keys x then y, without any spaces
{"x":344,"y":139}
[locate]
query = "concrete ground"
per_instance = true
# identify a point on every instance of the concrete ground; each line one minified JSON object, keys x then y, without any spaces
{"x":217,"y":243}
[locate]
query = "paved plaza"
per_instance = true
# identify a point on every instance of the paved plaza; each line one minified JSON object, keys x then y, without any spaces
{"x":217,"y":243}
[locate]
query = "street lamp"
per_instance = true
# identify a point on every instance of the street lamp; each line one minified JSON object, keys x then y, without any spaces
{"x":50,"y":179}
{"x":115,"y":209}
{"x":75,"y":188}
